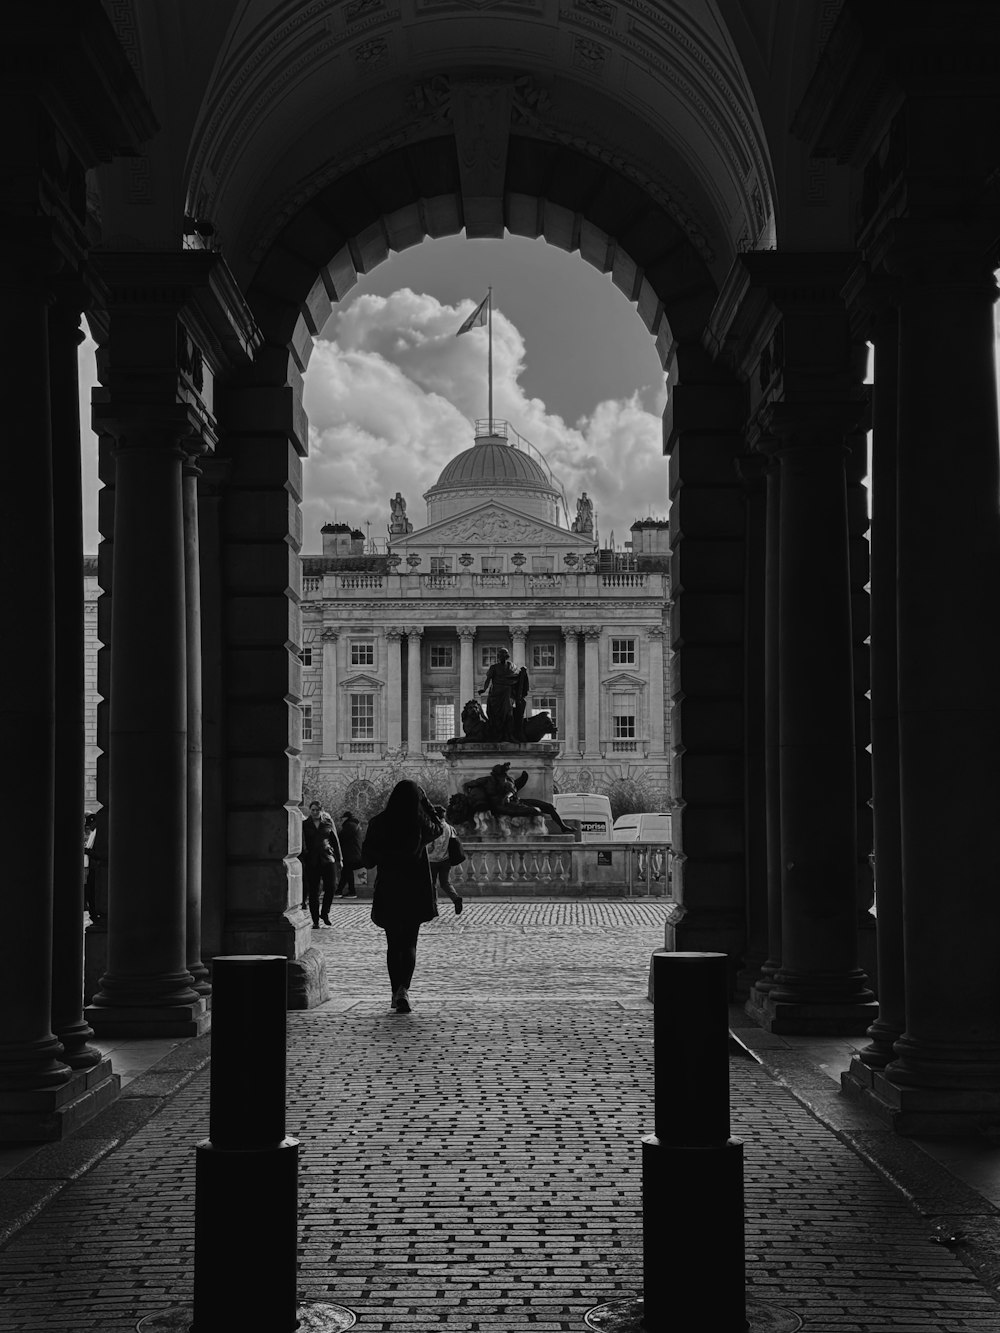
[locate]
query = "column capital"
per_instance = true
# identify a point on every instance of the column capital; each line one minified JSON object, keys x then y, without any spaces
{"x":467,"y":632}
{"x":330,"y":635}
{"x":590,"y":632}
{"x":656,"y":632}
{"x":414,"y":631}
{"x":571,"y":632}
{"x":394,"y":633}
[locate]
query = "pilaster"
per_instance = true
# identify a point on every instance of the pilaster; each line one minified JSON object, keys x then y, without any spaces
{"x":466,"y":670}
{"x":414,"y":704}
{"x":571,"y":695}
{"x":592,"y":691}
{"x":394,"y":688}
{"x":330,"y":639}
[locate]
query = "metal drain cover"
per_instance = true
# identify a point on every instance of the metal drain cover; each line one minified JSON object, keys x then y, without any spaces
{"x":626,"y":1317}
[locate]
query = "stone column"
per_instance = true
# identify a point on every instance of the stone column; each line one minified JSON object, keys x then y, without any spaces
{"x":592,"y":691}
{"x":394,"y":689}
{"x":466,"y":670}
{"x":331,"y":731}
{"x":947,"y":1071}
{"x":30,"y":1053}
{"x":343,"y":721}
{"x":414,"y":729}
{"x":147,"y":989}
{"x":67,"y":927}
{"x":752,"y":468}
{"x":570,"y":727}
{"x":190,"y":474}
{"x":819,"y":986}
{"x":519,"y":645}
{"x":772,"y":747}
{"x":655,"y":636}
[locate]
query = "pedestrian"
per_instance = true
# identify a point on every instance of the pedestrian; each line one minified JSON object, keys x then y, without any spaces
{"x":404,"y":898}
{"x":350,"y":849}
{"x":89,"y":865}
{"x":321,"y":858}
{"x":437,"y":854}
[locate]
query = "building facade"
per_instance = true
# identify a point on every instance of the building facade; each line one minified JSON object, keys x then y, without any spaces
{"x":395,"y":644}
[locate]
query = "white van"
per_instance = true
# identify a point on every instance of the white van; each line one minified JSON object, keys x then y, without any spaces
{"x":650,"y":826}
{"x":588,"y":811}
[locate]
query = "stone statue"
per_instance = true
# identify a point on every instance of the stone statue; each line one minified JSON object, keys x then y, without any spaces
{"x":398,"y":523}
{"x":496,"y":794}
{"x":584,"y":521}
{"x":475,"y":724}
{"x":506,"y":690}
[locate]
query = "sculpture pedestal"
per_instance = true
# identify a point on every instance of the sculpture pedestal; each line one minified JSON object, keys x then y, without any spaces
{"x":468,"y":760}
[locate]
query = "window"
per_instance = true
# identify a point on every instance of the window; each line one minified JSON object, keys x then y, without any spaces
{"x":543,"y":655}
{"x":542,"y":564}
{"x":442,"y":656}
{"x":440,"y":564}
{"x":362,"y":717}
{"x":623,"y":652}
{"x":307,"y":722}
{"x":488,"y":654}
{"x":545,"y":703}
{"x":492,"y":564}
{"x":623,"y":716}
{"x":442,"y":718}
{"x":307,"y":657}
{"x":362,"y":652}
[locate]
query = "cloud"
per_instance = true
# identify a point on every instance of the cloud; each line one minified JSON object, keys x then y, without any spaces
{"x":393,"y":397}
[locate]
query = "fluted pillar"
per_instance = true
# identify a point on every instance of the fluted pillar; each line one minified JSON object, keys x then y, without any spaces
{"x":570,"y":726}
{"x":592,"y":691}
{"x":190,"y":474}
{"x":819,"y":986}
{"x":657,"y":739}
{"x":331,"y":642}
{"x":147,"y":988}
{"x":394,"y":689}
{"x":414,"y":701}
{"x":949,"y":706}
{"x":466,"y":668}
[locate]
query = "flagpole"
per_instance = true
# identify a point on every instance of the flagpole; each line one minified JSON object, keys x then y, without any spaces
{"x":489,"y":297}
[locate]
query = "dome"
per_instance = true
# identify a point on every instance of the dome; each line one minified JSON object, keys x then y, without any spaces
{"x":492,"y":461}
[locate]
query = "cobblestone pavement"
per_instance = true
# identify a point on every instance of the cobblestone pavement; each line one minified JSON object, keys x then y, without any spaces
{"x":476,"y":1165}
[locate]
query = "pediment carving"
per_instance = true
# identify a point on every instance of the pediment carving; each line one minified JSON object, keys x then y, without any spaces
{"x":495,"y":524}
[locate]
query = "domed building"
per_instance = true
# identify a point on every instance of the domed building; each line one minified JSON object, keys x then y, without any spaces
{"x":395,"y":643}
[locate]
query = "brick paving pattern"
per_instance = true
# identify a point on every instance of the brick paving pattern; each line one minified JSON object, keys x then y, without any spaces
{"x":476,"y":1165}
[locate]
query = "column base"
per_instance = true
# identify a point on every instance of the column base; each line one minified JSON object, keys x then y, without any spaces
{"x":176,"y":1020}
{"x":307,"y":983}
{"x":924,"y":1113}
{"x":48,"y":1115}
{"x":810,"y":1018}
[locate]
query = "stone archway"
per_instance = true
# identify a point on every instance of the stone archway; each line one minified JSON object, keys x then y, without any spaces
{"x":583,"y":204}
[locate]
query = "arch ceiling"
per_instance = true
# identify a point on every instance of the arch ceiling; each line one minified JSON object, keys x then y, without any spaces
{"x":301,"y":93}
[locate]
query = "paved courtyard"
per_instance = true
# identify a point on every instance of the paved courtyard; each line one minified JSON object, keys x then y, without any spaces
{"x":476,"y":1166}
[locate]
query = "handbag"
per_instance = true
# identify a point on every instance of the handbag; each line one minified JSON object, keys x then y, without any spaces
{"x":455,"y":854}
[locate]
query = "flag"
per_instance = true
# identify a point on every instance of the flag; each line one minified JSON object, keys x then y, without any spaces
{"x":478,"y":317}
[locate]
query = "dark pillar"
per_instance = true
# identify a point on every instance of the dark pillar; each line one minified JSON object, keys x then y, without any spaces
{"x":195,"y":787}
{"x":147,"y":988}
{"x":819,"y":986}
{"x":946,"y":1077}
{"x":31,"y":1063}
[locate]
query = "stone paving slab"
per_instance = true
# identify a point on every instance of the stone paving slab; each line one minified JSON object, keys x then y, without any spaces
{"x":476,"y":1165}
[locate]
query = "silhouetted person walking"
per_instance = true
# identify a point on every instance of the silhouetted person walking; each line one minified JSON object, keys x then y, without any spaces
{"x":350,"y":849}
{"x":437,"y":854}
{"x":404,"y":897}
{"x":320,"y":859}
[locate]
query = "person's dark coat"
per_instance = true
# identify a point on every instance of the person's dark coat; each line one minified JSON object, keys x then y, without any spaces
{"x":350,"y":842}
{"x":320,"y":845}
{"x":396,"y":845}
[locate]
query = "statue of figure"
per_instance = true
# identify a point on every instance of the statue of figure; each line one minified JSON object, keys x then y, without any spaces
{"x":398,"y":523}
{"x":584,"y":521}
{"x":475,"y":724}
{"x":497,"y":794}
{"x":506,"y":690}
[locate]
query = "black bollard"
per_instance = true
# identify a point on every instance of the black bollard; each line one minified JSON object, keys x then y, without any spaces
{"x":692,"y":1171}
{"x":246,"y":1180}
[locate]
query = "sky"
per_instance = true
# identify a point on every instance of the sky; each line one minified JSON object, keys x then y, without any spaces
{"x":392,"y":393}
